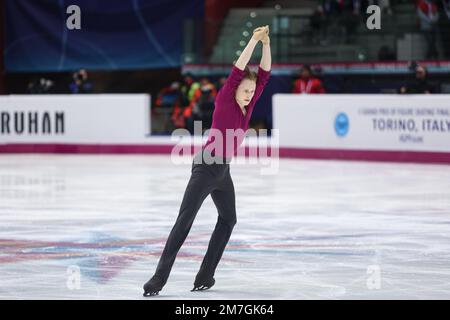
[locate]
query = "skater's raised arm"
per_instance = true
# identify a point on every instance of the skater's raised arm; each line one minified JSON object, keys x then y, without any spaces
{"x":264,"y":65}
{"x":244,"y":58}
{"x":240,"y":69}
{"x":266,"y":58}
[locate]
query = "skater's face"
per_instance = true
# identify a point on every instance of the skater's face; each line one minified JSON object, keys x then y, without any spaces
{"x":245,"y":92}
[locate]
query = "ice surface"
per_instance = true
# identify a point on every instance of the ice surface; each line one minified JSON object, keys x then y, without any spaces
{"x":315,"y":230}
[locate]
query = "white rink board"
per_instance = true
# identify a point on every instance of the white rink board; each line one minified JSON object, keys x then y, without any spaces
{"x":90,"y":118}
{"x":375,"y":122}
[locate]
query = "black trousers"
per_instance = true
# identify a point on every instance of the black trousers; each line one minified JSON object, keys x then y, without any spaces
{"x":206,"y":178}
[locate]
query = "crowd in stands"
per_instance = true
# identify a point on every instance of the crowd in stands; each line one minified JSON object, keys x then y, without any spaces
{"x":78,"y":83}
{"x":181,"y":103}
{"x":191,"y":100}
{"x":337,"y":20}
{"x":434,"y":17}
{"x":334,"y":15}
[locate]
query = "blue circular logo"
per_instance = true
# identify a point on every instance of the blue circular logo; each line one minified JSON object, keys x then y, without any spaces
{"x":341,"y":124}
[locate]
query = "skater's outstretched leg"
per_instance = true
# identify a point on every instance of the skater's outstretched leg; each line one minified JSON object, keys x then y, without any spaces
{"x":197,"y":190}
{"x":224,"y":199}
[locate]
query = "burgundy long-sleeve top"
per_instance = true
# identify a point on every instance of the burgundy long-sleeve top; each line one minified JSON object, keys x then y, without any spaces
{"x":228,"y":115}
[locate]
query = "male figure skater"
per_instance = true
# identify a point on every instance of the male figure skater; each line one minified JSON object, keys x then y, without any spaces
{"x":233,"y":107}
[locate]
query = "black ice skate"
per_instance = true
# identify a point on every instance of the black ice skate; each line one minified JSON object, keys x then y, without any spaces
{"x":200,"y":285}
{"x":153,"y":286}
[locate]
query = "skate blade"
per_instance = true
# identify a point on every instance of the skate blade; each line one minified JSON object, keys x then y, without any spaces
{"x":201,"y":288}
{"x":151,"y":294}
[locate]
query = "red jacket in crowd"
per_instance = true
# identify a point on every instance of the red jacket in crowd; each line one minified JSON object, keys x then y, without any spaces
{"x":310,"y":85}
{"x":427,"y":8}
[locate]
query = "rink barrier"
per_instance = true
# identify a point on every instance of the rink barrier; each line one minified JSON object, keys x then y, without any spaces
{"x":400,"y":128}
{"x":335,"y":127}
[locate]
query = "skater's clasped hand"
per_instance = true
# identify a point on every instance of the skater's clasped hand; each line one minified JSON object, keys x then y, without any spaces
{"x":261,"y":34}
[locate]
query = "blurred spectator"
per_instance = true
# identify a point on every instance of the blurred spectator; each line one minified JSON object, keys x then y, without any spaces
{"x":428,"y":14}
{"x":386,"y":54}
{"x":182,"y":110}
{"x":307,"y":83}
{"x":329,"y":7}
{"x":385,"y":5}
{"x":167,"y":101}
{"x":80,"y":83}
{"x":316,"y":21}
{"x":41,"y":85}
{"x":220,"y":83}
{"x":326,"y":14}
{"x":187,"y":89}
{"x":169,"y":96}
{"x":445,"y":27}
{"x":350,"y":18}
{"x":202,"y":106}
{"x":446,"y":7}
{"x":419,"y":84}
